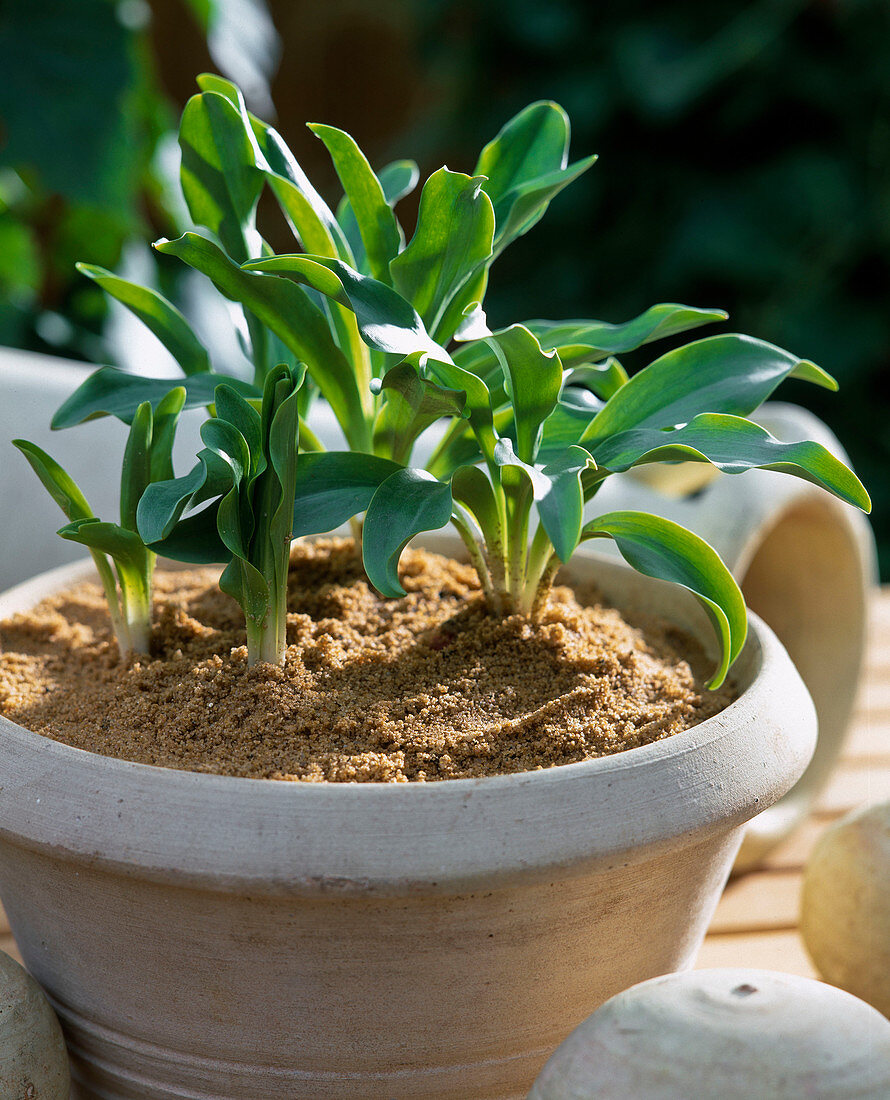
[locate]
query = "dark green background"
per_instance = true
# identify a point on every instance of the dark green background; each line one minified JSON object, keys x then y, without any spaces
{"x":744,"y":159}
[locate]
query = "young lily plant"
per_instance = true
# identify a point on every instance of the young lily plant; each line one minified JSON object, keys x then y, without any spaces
{"x":125,"y":564}
{"x":543,"y":445}
{"x":247,"y":472}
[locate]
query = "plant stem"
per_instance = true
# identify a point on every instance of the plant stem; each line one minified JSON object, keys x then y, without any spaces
{"x":542,"y":590}
{"x":135,"y":606}
{"x":477,"y":558}
{"x":266,"y":640}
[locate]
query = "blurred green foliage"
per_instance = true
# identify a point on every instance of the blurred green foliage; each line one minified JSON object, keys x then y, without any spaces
{"x":81,"y":118}
{"x":744,"y":163}
{"x":85,"y":121}
{"x":744,"y":156}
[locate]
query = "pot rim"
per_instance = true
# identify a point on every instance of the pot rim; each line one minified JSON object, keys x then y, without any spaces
{"x":279,"y":837}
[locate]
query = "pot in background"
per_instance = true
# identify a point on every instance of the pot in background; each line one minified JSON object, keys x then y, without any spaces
{"x":805,"y":562}
{"x":206,"y":936}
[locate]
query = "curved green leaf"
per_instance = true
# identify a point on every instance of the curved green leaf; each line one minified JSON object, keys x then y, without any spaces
{"x":195,"y":540}
{"x":136,"y":465}
{"x":733,"y":445}
{"x":412,"y":404}
{"x":220,"y":179}
{"x":387,"y":322}
{"x":723,"y":374}
{"x":454,"y":238}
{"x":380,"y":232}
{"x":533,"y":380}
{"x":602,"y":379}
{"x":660,"y":548}
{"x":125,"y":547}
{"x":334,"y":486}
{"x":397,"y":179}
{"x":309,"y":215}
{"x":163,"y":502}
{"x":157,"y":314}
{"x":289,"y":312}
{"x":163,"y":433}
{"x":57,"y":482}
{"x":406,"y":503}
{"x":527,"y":165}
{"x":557,"y":492}
{"x":533,"y":143}
{"x":603,"y":338}
{"x":471,"y":488}
{"x":232,"y":409}
{"x":112,"y":392}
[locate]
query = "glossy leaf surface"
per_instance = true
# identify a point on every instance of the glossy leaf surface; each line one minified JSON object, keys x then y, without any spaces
{"x":407,"y":502}
{"x":660,"y":548}
{"x":158,"y":315}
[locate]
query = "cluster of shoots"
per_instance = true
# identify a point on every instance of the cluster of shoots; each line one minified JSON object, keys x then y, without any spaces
{"x":392,"y":333}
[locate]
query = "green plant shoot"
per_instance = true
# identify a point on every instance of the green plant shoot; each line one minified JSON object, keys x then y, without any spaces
{"x":125,"y":564}
{"x":544,"y":445}
{"x":248,"y":473}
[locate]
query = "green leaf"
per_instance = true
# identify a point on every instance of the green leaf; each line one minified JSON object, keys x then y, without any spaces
{"x":733,"y":445}
{"x":471,"y":488}
{"x":195,"y":539}
{"x":283,"y":448}
{"x":582,"y":342}
{"x":454,"y":237}
{"x":112,"y":392}
{"x":386,"y":321}
{"x":124,"y":546}
{"x":397,"y":179}
{"x":234,"y":410}
{"x":602,"y":338}
{"x":136,"y":465}
{"x":220,"y":180}
{"x":289,"y":312}
{"x":568,"y":421}
{"x":533,"y":379}
{"x":406,"y":503}
{"x":163,"y":502}
{"x":528,"y":203}
{"x":602,"y":379}
{"x":557,"y":492}
{"x":59,"y":484}
{"x":225,"y":441}
{"x":527,"y":165}
{"x":478,"y":407}
{"x":158,"y":315}
{"x":247,"y":585}
{"x":660,"y":548}
{"x":379,"y":230}
{"x":412,"y":404}
{"x":333,"y":486}
{"x":163,"y":434}
{"x":722,"y":374}
{"x":533,"y":143}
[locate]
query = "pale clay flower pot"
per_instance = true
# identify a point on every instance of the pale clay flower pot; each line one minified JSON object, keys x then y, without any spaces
{"x":805,"y":561}
{"x":210,"y":937}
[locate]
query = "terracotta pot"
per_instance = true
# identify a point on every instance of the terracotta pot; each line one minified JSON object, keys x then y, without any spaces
{"x":204,"y":936}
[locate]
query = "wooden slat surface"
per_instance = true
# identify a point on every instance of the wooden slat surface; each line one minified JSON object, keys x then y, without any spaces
{"x":756,"y":920}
